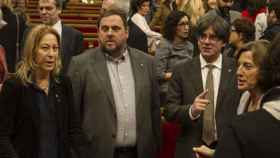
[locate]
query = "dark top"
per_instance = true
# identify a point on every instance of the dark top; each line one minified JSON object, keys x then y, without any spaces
{"x":271,"y":31}
{"x":8,"y":36}
{"x":48,"y":126}
{"x":21,"y":118}
{"x":137,"y":38}
{"x":251,"y":135}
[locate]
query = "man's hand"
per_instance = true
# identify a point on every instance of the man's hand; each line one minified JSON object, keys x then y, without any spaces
{"x":168,"y":76}
{"x":203,"y":152}
{"x":199,"y":104}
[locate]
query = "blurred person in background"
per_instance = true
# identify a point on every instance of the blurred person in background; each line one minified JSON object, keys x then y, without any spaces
{"x":174,"y":48}
{"x":273,"y":20}
{"x":139,"y":10}
{"x":11,"y":34}
{"x":3,"y":67}
{"x":242,"y":31}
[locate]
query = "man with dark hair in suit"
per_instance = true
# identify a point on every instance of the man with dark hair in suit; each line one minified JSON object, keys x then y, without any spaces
{"x":71,"y":39}
{"x":116,"y":92}
{"x":202,"y":94}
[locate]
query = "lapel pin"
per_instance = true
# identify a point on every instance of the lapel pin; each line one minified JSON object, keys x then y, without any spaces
{"x":141,"y":65}
{"x":229,"y":70}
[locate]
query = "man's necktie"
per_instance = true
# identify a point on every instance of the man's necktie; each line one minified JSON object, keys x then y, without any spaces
{"x":208,"y":132}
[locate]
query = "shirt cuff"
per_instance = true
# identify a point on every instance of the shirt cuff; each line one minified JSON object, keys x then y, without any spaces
{"x":191,"y":116}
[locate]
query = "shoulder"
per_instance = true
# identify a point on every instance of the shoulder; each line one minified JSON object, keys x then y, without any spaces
{"x":138,"y":54}
{"x":70,"y":29}
{"x":13,"y":82}
{"x":250,"y":122}
{"x":229,"y":61}
{"x":187,"y":65}
{"x":86,"y":56}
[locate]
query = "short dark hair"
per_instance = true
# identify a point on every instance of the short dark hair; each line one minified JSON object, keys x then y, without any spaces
{"x":246,"y":28}
{"x":114,"y":11}
{"x":274,"y":5}
{"x":218,"y":24}
{"x":135,"y":4}
{"x":270,"y":68}
{"x":171,"y":23}
{"x":58,"y":4}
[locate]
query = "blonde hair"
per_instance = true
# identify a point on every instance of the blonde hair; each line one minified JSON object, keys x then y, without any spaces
{"x":195,"y":9}
{"x":7,"y":3}
{"x":27,"y":66}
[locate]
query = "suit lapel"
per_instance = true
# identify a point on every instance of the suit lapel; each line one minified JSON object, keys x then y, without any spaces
{"x":63,"y":41}
{"x":195,"y":75}
{"x":226,"y":77}
{"x":102,"y":74}
{"x":138,"y":73}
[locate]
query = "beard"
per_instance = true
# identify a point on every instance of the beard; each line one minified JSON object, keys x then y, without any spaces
{"x":113,"y":51}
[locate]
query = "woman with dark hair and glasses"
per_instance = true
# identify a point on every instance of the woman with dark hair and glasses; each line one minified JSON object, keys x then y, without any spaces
{"x":173,"y":48}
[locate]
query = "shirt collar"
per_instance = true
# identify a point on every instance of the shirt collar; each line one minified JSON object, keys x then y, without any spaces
{"x":58,"y":27}
{"x":217,"y":63}
{"x":119,"y":59}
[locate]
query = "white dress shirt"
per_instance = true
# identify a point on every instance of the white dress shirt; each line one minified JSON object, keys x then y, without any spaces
{"x":216,"y":78}
{"x":58,"y":27}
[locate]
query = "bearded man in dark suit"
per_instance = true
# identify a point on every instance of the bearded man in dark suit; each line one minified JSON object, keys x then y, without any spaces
{"x":116,"y":92}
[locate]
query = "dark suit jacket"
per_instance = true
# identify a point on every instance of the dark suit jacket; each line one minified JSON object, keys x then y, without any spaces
{"x":19,"y":120}
{"x":8,"y":36}
{"x":251,"y":135}
{"x":71,"y":44}
{"x":137,"y":38}
{"x":185,"y":85}
{"x":94,"y":98}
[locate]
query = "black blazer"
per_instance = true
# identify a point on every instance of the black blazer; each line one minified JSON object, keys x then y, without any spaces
{"x":19,"y":120}
{"x":185,"y":85}
{"x":8,"y":36}
{"x":137,"y":38}
{"x":251,"y":135}
{"x":72,"y":45}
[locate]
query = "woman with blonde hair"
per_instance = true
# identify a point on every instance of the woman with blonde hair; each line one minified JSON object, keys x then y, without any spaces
{"x":195,"y":9}
{"x":37,"y":116}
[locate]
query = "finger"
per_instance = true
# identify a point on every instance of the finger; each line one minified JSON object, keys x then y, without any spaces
{"x":202,"y":101}
{"x":203,"y":94}
{"x":200,"y":108}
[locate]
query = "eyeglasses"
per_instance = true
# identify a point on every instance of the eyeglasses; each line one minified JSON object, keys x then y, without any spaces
{"x":210,"y":38}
